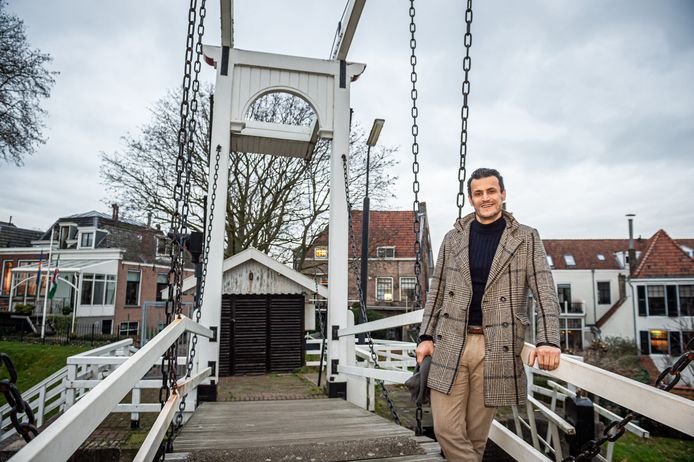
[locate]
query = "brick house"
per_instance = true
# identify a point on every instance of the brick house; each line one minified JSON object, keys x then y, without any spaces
{"x":391,"y":283}
{"x":109,"y":273}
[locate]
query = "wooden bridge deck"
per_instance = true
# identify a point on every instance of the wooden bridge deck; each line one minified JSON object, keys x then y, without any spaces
{"x":297,"y":430}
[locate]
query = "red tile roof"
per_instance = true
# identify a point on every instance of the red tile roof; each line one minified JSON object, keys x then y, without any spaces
{"x":663,"y":257}
{"x":386,"y":228}
{"x":586,"y":251}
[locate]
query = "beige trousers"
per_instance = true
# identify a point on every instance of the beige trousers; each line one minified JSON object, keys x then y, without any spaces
{"x":461,"y":421}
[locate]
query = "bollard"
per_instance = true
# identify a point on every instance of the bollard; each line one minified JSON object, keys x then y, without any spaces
{"x":579,"y":413}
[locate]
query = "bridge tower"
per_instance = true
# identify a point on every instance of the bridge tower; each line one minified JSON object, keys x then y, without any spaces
{"x":242,"y":78}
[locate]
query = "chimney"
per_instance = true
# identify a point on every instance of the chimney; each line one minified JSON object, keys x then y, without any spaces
{"x":115,"y":212}
{"x":632,"y":249}
{"x":10,"y":220}
{"x":149,"y":219}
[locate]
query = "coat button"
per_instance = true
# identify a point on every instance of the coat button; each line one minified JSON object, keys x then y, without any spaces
{"x":438,"y":337}
{"x":503,"y":299}
{"x":450,"y":292}
{"x":445,"y":315}
{"x":505,"y":348}
{"x":505,"y":324}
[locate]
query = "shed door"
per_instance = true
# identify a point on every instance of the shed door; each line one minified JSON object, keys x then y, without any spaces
{"x":261,"y":333}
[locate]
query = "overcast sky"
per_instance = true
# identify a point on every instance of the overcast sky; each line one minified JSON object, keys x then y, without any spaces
{"x":586,"y":108}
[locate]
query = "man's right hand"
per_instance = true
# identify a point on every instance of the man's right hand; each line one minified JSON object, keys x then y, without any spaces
{"x":424,"y":349}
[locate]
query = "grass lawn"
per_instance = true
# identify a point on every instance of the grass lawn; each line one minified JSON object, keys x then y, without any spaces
{"x":631,"y":448}
{"x":35,"y":362}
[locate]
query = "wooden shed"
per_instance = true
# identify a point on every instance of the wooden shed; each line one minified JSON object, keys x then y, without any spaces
{"x":266,"y":308}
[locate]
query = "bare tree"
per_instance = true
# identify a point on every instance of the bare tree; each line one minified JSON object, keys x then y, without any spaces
{"x":24,"y":81}
{"x":275,"y":204}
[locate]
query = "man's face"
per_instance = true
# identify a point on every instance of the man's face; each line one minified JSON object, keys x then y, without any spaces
{"x":486,"y":197}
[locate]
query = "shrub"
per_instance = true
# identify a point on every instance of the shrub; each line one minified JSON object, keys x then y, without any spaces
{"x":24,"y":308}
{"x":67,"y":310}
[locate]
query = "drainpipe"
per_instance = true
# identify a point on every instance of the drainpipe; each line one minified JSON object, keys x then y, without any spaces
{"x":632,"y":267}
{"x":595,"y":300}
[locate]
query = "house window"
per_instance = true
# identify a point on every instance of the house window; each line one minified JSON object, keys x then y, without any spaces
{"x":550,"y":262}
{"x":384,"y":289}
{"x":385,"y":252}
{"x":128,"y":329}
{"x":604,"y":297}
{"x":671,"y":299}
{"x":408,"y":289}
{"x":106,"y":326}
{"x":641,"y":296}
{"x":7,"y":266}
{"x":656,"y":300}
{"x":675,"y":343}
{"x":569,"y":259}
{"x":659,"y":342}
{"x":98,"y":289}
{"x":687,"y":300}
{"x":132,"y":288}
{"x":162,"y":283}
{"x":601,"y":257}
{"x":571,"y":334}
{"x":162,"y":247}
{"x":320,"y":252}
{"x":87,"y":240}
{"x":28,"y":287}
{"x":687,"y":339}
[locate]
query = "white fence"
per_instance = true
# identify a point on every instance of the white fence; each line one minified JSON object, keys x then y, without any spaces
{"x":111,"y":372}
{"x":664,"y":407}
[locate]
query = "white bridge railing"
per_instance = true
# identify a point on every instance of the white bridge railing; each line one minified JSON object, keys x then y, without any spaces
{"x":667,"y":408}
{"x":95,"y":369}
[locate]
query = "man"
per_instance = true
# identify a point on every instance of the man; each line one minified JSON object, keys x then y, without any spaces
{"x":476,"y":315}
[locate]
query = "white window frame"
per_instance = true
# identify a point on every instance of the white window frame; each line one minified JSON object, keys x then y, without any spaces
{"x":569,"y":260}
{"x":2,"y":276}
{"x":139,"y":287}
{"x":156,"y":246}
{"x":597,"y":290}
{"x":315,"y":252}
{"x":391,"y":289}
{"x":129,"y":323}
{"x":400,"y":285}
{"x":550,"y":261}
{"x":385,"y":247}
{"x":82,"y":231}
{"x":601,"y":257}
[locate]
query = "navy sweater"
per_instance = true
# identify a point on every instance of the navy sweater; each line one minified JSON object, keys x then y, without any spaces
{"x":484,"y":239}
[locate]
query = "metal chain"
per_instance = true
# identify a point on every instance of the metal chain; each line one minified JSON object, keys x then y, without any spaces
{"x":617,"y":428}
{"x":181,"y":195}
{"x":462,"y":172}
{"x":17,"y":404}
{"x":362,"y":296}
{"x":415,"y":162}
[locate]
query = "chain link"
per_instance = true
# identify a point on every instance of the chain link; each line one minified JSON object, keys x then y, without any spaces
{"x":362,"y":296}
{"x":17,"y":404}
{"x":617,"y":428}
{"x":462,"y":172}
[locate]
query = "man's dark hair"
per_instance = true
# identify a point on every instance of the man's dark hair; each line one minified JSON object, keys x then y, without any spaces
{"x":485,"y":173}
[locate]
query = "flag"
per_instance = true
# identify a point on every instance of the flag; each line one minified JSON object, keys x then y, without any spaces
{"x":38,"y":276}
{"x":54,"y":281}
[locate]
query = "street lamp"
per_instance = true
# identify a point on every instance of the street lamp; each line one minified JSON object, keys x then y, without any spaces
{"x":370,"y":142}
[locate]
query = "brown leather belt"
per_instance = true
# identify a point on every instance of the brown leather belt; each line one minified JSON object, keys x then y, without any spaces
{"x":475,"y":330}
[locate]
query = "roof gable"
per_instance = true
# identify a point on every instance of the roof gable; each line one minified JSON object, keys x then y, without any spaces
{"x":663,"y":257}
{"x":265,"y":260}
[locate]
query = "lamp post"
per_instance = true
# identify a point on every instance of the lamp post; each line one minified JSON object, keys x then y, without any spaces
{"x":370,"y":142}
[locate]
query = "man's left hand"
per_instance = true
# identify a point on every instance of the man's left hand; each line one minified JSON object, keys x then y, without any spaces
{"x":547,"y":357}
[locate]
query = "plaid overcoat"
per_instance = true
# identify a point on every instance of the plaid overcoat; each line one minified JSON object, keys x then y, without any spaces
{"x":519,"y":265}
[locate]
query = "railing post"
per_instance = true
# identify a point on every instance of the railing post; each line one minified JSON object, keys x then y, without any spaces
{"x":579,"y":413}
{"x":41,"y":406}
{"x":135,"y":416}
{"x":69,"y":387}
{"x":533,"y":426}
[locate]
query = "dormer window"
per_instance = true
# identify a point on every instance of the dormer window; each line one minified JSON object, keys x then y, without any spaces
{"x":601,"y":257}
{"x":550,"y":262}
{"x":569,"y":259}
{"x":385,"y":252}
{"x":87,"y":240}
{"x":162,"y":247}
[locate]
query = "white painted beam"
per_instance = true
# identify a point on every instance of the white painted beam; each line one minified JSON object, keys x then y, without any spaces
{"x":347,"y":27}
{"x":413,"y":317}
